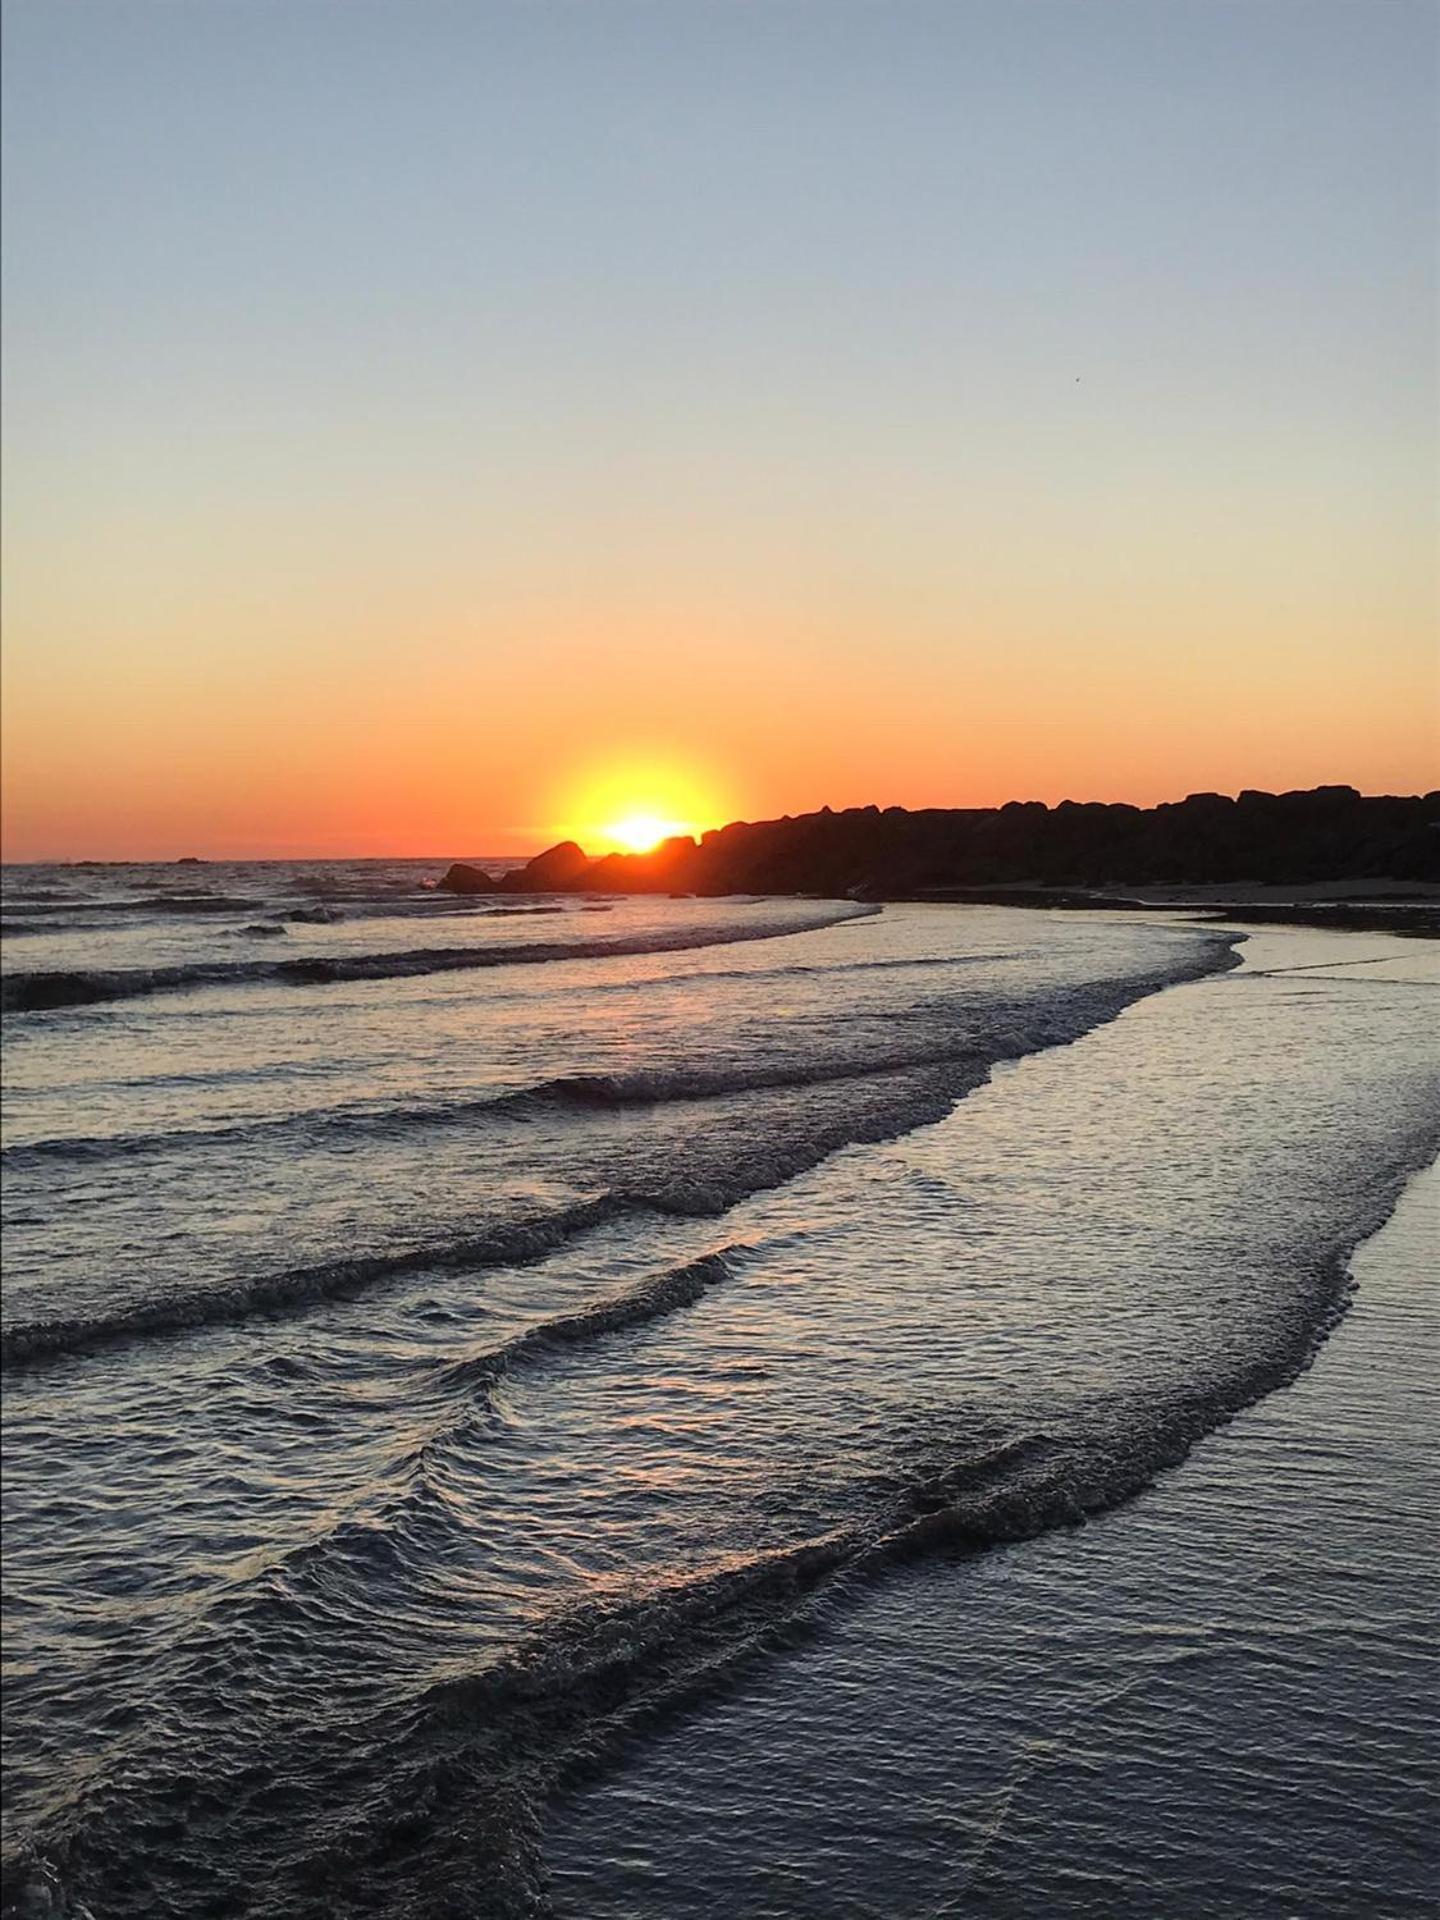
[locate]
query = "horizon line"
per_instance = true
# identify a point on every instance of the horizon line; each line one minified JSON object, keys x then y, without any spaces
{"x":285,"y":859}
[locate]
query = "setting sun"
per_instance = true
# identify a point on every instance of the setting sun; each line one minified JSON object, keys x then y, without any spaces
{"x":637,"y":800}
{"x":640,"y":832}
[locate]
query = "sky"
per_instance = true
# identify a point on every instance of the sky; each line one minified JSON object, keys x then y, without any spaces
{"x":434,"y":428}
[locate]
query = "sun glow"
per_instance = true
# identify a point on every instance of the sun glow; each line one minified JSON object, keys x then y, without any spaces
{"x":635,"y":803}
{"x":641,"y":832}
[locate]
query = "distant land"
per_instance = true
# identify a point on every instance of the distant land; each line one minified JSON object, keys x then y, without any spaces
{"x":1236,"y":854}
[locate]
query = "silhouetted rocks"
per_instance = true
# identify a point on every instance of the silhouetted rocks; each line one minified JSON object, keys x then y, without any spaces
{"x":462,"y":878}
{"x":557,"y":870}
{"x":640,"y":872}
{"x":1025,"y":847}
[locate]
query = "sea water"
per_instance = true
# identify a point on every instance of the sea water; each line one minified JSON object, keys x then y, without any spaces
{"x":492,"y":1386}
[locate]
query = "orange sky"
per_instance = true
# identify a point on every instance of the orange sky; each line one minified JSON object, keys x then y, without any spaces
{"x":994,"y":404}
{"x":454,"y":756}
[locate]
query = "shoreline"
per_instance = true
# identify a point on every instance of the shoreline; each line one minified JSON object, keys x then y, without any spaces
{"x":1199,"y":1647}
{"x":1244,"y":1631}
{"x":1413,"y":915}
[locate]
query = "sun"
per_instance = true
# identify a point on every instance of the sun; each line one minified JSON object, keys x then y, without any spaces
{"x":642,"y":832}
{"x":632,"y":802}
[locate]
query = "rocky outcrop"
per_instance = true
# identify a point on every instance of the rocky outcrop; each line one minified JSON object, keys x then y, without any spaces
{"x":1207,"y":839}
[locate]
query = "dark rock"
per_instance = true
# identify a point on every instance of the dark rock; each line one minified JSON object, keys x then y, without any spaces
{"x":665,"y":869}
{"x":557,"y":870}
{"x":463,"y":878}
{"x":1331,"y":833}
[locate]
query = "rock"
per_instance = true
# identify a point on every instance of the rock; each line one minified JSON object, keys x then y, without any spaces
{"x":1210,"y":839}
{"x":463,"y":878}
{"x":554,"y":871}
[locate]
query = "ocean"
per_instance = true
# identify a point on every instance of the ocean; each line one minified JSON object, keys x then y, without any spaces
{"x":646,"y":1407}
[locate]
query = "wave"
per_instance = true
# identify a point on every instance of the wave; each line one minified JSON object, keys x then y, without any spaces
{"x":591,"y":1092}
{"x":470,"y":1377}
{"x":183,"y":903}
{"x":579,"y":1094}
{"x":506,"y":1243}
{"x":421,"y":907}
{"x":54,"y":905}
{"x":898,"y":1099}
{"x":39,"y":992}
{"x":676,"y":1288}
{"x":1022,"y":1486}
{"x":1016,"y":1031}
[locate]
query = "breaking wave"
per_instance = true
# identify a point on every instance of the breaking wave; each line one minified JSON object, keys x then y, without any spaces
{"x":46,"y":991}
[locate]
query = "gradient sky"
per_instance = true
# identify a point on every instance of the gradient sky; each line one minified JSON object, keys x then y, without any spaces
{"x":423,"y":418}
